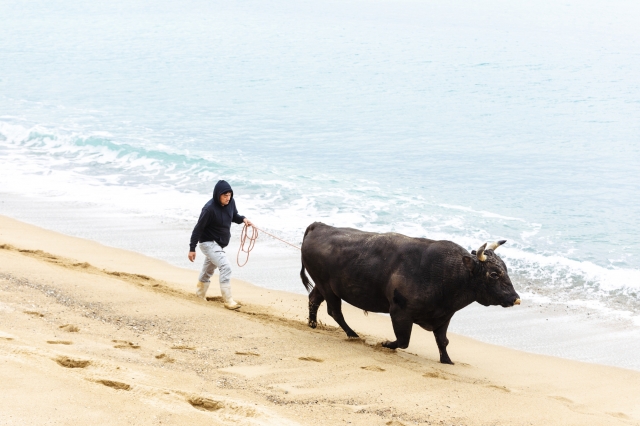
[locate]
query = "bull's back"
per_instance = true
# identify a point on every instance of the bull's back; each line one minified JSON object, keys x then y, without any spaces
{"x":356,"y":265}
{"x":333,"y":247}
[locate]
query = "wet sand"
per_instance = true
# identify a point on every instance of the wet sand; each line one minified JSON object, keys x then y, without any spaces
{"x":93,"y":334}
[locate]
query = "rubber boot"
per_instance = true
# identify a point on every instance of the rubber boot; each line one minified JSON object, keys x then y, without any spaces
{"x":229,"y":303}
{"x":201,"y":290}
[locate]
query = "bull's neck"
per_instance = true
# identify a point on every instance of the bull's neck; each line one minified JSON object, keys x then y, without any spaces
{"x":464,"y":301}
{"x":464,"y":295}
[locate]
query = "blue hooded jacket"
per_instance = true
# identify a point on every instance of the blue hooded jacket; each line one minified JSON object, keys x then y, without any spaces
{"x":215,"y":220}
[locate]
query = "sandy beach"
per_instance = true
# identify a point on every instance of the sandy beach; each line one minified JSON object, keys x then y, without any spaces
{"x":95,"y":335}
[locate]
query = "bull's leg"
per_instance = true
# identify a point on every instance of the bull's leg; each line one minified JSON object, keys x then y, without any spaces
{"x":402,"y":325}
{"x":334,"y":308}
{"x":442,"y":341}
{"x":315,"y":299}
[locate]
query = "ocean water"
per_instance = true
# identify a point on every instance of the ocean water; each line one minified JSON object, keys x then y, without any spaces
{"x":455,"y":120}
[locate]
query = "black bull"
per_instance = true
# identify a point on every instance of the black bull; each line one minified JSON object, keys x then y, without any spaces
{"x":415,"y":280}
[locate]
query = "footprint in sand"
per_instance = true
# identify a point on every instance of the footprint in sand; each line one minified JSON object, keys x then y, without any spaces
{"x":435,"y":375}
{"x":183,"y":347}
{"x":500,"y":388}
{"x":214,"y":299}
{"x":114,"y":384}
{"x":34,"y":313}
{"x":310,"y":358}
{"x":561,"y":399}
{"x":205,"y":404}
{"x":373,"y":368}
{"x":619,"y":415}
{"x":70,"y":328}
{"x":59,"y":342}
{"x":72,"y":363}
{"x":165,"y":358}
{"x":247,"y":353}
{"x":125,"y":344}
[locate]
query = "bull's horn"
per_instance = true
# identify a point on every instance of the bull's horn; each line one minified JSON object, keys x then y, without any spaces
{"x":494,"y":245}
{"x":480,"y":253}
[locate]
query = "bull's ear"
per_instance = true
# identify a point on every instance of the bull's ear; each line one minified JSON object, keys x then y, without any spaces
{"x":469,"y":262}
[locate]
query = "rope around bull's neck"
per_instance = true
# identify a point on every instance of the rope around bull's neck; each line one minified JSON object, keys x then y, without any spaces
{"x":244,"y":236}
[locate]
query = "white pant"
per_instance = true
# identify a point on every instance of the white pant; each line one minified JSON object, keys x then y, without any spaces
{"x":214,"y":257}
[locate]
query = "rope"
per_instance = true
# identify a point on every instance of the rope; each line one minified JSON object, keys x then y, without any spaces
{"x":243,"y":240}
{"x":252,"y":242}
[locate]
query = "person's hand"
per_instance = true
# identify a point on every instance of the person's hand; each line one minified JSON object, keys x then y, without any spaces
{"x":192,"y":256}
{"x":247,"y":222}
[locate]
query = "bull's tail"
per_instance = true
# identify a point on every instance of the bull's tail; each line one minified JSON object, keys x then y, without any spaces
{"x":305,"y":280}
{"x":303,"y":276}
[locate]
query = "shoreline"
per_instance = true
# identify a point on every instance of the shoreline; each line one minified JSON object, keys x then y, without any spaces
{"x":552,"y":328}
{"x":261,"y":365}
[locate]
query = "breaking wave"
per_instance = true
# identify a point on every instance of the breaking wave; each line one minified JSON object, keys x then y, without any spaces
{"x":164,"y":183}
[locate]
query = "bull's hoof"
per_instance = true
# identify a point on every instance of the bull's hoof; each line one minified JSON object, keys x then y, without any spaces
{"x":446,"y":360}
{"x":390,"y":345}
{"x":313,"y":324}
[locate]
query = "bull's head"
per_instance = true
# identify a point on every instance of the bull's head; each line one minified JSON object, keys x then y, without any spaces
{"x":489,"y":275}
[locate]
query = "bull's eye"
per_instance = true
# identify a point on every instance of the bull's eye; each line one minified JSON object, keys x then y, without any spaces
{"x":494,"y":275}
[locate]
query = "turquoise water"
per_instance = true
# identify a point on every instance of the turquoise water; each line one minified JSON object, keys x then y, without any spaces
{"x":451,"y":120}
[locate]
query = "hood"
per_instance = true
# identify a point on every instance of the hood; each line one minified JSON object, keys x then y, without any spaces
{"x":221,"y":187}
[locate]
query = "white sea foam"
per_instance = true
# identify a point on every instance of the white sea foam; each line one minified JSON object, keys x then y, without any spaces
{"x":481,"y":212}
{"x":85,"y":168}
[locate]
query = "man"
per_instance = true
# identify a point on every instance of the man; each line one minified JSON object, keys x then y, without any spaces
{"x":213,"y":231}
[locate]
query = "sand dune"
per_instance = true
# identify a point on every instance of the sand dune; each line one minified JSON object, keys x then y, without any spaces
{"x":95,"y":335}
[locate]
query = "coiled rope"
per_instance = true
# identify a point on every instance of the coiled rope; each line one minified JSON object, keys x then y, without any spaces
{"x":244,"y":236}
